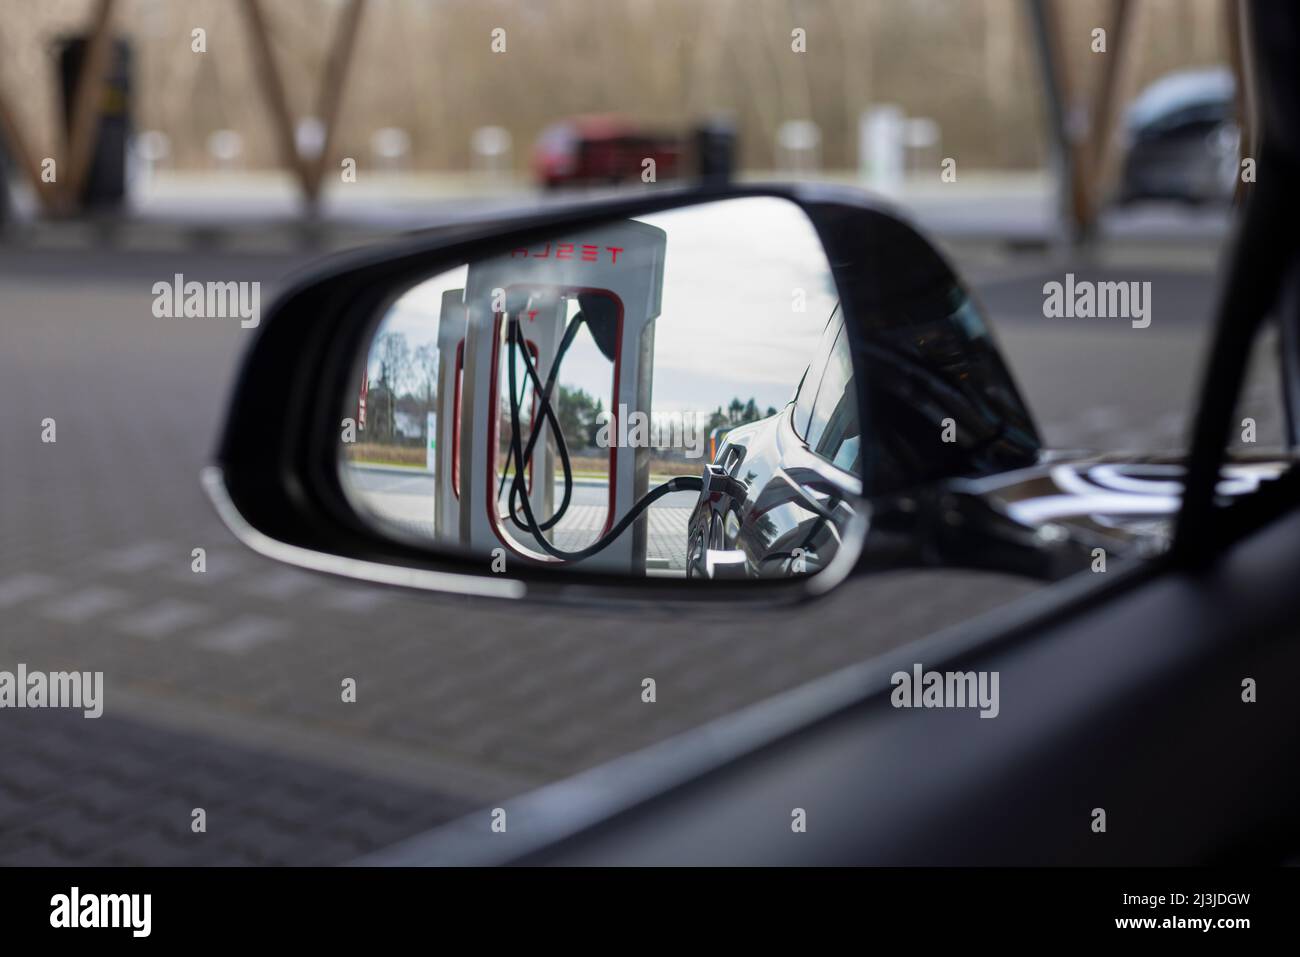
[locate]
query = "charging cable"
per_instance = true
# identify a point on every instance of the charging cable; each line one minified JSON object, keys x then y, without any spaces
{"x":519,"y":455}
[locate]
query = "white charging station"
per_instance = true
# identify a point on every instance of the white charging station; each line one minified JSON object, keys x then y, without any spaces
{"x":535,"y":284}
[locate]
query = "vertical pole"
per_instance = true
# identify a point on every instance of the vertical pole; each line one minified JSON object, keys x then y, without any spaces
{"x":84,"y":129}
{"x":1075,"y":205}
{"x":336,"y":73}
{"x":1243,"y":70}
{"x":20,"y":149}
{"x":273,"y":88}
{"x":1113,"y":89}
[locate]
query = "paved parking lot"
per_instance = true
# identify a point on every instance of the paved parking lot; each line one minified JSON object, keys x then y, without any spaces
{"x":405,"y":498}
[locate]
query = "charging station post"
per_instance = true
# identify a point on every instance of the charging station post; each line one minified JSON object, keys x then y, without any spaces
{"x":536,"y":286}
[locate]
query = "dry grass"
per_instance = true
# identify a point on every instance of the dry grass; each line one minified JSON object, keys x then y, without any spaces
{"x":376,"y":454}
{"x":658,"y":466}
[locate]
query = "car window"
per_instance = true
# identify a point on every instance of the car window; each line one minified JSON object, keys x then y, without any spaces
{"x":1260,"y":425}
{"x":833,"y":431}
{"x":808,"y":386}
{"x":1199,"y":115}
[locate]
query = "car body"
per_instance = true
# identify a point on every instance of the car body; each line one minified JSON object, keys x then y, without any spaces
{"x":782,"y":492}
{"x":792,"y":478}
{"x":604,"y":149}
{"x":1182,"y":139}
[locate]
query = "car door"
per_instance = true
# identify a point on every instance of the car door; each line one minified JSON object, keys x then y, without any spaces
{"x":810,"y":497}
{"x":1135,"y":693}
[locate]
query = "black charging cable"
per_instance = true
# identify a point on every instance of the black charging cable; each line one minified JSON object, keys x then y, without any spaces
{"x":519,"y":484}
{"x":599,"y":313}
{"x":544,"y":413}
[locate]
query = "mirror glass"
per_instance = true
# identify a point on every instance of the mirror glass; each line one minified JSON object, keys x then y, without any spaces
{"x":667,"y":395}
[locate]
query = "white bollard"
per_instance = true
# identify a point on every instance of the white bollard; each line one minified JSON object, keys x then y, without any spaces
{"x":798,"y":147}
{"x":226,"y":148}
{"x":491,"y":149}
{"x":390,"y":147}
{"x":309,"y":137}
{"x":880,"y":144}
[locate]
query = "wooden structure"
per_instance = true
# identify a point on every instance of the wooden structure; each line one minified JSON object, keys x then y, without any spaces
{"x":1083,"y":124}
{"x":61,"y":196}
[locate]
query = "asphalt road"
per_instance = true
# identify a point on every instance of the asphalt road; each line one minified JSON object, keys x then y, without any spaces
{"x":405,"y":498}
{"x":222,"y":687}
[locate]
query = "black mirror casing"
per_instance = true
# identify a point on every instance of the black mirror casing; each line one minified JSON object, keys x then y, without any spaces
{"x":921,"y":355}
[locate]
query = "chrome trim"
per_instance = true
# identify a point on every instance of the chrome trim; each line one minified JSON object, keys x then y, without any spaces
{"x":213,"y":481}
{"x":214,"y":484}
{"x":846,"y":556}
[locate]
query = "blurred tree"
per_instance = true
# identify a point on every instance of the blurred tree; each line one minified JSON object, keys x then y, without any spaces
{"x":738,"y":412}
{"x":394,"y":367}
{"x":426,"y":372}
{"x":578,"y":412}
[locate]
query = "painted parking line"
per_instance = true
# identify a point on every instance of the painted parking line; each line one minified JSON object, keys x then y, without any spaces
{"x":20,"y":588}
{"x":243,"y":634}
{"x":164,"y":618}
{"x":355,"y":600}
{"x":139,"y":557}
{"x":281,"y":585}
{"x":81,"y":606}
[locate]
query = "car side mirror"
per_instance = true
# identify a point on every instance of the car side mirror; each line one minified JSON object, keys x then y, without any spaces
{"x":683,"y":395}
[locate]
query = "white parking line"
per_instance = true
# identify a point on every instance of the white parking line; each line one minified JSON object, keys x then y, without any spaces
{"x":242,"y":634}
{"x":281,"y":585}
{"x":136,"y":558}
{"x":81,"y":606}
{"x":358,"y":600}
{"x":163,"y":618}
{"x":22,"y":587}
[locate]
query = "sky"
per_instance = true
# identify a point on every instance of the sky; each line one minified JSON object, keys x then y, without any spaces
{"x":730,"y":324}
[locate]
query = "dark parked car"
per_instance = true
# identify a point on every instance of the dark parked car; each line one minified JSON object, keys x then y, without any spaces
{"x":779,"y":490}
{"x":1182,"y":139}
{"x":780,"y":493}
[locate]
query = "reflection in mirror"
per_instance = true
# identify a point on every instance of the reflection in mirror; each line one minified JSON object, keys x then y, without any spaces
{"x":668,"y":395}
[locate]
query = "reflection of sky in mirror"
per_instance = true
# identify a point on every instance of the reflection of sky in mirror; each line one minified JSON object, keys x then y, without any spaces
{"x":415,"y":313}
{"x":728,"y":327}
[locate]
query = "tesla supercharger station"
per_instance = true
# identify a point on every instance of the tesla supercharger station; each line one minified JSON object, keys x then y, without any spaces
{"x":452,"y":343}
{"x":623,"y":261}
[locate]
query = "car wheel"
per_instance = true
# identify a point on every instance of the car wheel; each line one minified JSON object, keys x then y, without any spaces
{"x":695,"y":556}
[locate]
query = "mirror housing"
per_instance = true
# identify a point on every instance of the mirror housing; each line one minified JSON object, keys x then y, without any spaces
{"x":923,"y":360}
